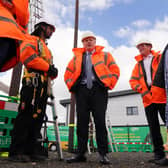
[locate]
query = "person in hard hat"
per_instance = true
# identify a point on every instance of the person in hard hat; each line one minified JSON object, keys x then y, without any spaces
{"x":153,"y":95}
{"x":14,"y":17}
{"x":38,"y":72}
{"x":89,"y":75}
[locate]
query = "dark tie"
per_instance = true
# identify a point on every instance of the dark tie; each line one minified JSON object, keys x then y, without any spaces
{"x":89,"y":71}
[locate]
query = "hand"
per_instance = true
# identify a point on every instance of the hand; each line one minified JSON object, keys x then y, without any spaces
{"x":52,"y":71}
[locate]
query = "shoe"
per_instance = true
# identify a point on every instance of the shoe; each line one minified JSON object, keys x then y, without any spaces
{"x":19,"y":158}
{"x":104,"y":160}
{"x":160,"y":156}
{"x":156,"y":158}
{"x":38,"y":157}
{"x":40,"y":153}
{"x":162,"y":162}
{"x":152,"y":160}
{"x":76,"y":159}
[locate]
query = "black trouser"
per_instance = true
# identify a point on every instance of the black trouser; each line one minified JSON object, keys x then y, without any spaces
{"x":94,"y":100}
{"x":153,"y":121}
{"x":26,"y":129}
{"x":7,"y":50}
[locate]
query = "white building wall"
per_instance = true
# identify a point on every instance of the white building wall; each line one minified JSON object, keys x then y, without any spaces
{"x":116,"y":110}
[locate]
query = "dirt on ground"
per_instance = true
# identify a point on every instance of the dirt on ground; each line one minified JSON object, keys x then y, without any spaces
{"x":118,"y":160}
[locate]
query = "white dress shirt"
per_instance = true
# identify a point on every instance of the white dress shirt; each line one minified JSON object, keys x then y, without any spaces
{"x":147,"y":65}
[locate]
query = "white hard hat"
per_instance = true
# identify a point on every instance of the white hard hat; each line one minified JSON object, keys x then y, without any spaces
{"x":143,"y":41}
{"x":87,"y":34}
{"x":44,"y":21}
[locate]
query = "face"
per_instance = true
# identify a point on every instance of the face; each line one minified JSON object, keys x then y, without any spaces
{"x":48,"y":32}
{"x":89,"y":43}
{"x":144,"y":49}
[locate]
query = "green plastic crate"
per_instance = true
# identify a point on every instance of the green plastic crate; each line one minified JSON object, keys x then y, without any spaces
{"x":7,"y":118}
{"x":6,"y":125}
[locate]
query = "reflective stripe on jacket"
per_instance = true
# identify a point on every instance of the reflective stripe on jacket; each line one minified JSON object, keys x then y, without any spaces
{"x":138,"y":81}
{"x":14,"y":28}
{"x":22,"y":13}
{"x":103,"y":63}
{"x":35,"y":55}
{"x":11,"y":27}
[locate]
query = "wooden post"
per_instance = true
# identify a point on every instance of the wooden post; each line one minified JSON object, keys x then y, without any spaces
{"x":72,"y":108}
{"x":15,"y":81}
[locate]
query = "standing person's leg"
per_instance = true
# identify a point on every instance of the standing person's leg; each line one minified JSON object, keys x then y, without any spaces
{"x":153,"y":121}
{"x":22,"y":125}
{"x":83,"y":114}
{"x":99,"y":99}
{"x":161,"y":108}
{"x":31,"y":140}
{"x":39,"y":152}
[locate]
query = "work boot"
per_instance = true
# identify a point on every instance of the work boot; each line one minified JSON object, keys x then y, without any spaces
{"x":104,"y":159}
{"x":38,"y":157}
{"x":157,"y":158}
{"x":76,"y":159}
{"x":40,"y":153}
{"x":162,"y":162}
{"x":19,"y":158}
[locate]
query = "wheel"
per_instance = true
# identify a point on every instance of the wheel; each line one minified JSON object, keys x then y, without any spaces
{"x":53,"y":147}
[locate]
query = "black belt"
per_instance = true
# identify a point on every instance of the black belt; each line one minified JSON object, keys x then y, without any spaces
{"x":36,"y":71}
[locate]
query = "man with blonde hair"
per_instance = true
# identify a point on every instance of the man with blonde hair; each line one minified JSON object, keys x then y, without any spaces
{"x":89,"y":75}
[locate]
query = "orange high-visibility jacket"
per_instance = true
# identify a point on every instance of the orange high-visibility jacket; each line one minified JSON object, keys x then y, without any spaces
{"x":21,"y":8}
{"x":138,"y":81}
{"x":103,"y":64}
{"x":35,"y":55}
{"x":11,"y":27}
{"x":14,"y":28}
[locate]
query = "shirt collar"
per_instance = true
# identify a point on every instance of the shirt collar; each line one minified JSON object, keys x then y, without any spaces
{"x":149,"y":56}
{"x":87,"y":52}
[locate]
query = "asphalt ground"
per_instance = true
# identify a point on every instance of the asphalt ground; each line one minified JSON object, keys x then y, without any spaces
{"x":118,"y":160}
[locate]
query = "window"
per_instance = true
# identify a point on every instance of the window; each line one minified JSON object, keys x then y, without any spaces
{"x":132,"y":110}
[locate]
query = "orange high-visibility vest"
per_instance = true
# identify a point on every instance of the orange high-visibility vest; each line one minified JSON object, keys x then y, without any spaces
{"x":35,"y":55}
{"x":139,"y":84}
{"x":104,"y":66}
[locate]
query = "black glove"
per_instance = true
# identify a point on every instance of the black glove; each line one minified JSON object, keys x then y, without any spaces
{"x":52,"y":71}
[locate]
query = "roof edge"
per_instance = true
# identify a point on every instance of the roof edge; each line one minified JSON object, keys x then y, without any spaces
{"x":65,"y":102}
